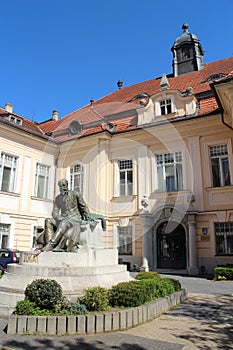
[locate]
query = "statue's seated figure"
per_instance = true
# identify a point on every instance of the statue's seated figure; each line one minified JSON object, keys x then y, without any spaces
{"x":70,"y":212}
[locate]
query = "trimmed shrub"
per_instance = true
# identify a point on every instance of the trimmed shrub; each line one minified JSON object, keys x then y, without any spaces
{"x":151,"y":288}
{"x":45,"y":293}
{"x":221,"y":273}
{"x":157,"y":288}
{"x":127,"y":294}
{"x":176,"y":284}
{"x":147,"y":275}
{"x":165,"y":286}
{"x":95,"y":299}
{"x":135,"y":293}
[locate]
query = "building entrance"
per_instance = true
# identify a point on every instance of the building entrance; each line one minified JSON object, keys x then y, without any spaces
{"x":171,"y":248}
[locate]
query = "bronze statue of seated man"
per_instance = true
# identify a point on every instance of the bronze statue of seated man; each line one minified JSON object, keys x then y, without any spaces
{"x":70,"y":211}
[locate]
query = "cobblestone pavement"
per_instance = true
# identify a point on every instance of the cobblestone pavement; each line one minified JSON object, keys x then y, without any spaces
{"x":204,"y":321}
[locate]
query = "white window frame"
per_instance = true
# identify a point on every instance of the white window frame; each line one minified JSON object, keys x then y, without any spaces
{"x":128,"y":235}
{"x":75,"y":172}
{"x":162,"y":162}
{"x":13,"y":170}
{"x":125,"y":172}
{"x":164,"y":97}
{"x":224,"y":230}
{"x":4,"y":231}
{"x":15,"y":120}
{"x":45,"y":174}
{"x":165,"y":105}
{"x":220,"y":155}
{"x":116,"y":182}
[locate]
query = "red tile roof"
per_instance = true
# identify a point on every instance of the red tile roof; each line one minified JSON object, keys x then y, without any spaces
{"x":117,"y":109}
{"x":27,"y":125}
{"x":118,"y":102}
{"x":207,"y":105}
{"x":194,"y":79}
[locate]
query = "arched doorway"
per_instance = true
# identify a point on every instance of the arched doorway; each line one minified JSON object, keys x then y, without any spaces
{"x":171,"y":247}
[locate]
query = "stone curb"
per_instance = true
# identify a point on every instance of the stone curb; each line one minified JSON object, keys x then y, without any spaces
{"x":91,"y":323}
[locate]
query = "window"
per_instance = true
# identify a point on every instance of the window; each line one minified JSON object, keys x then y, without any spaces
{"x":186,"y":53}
{"x":169,"y":172}
{"x":125,"y":235}
{"x":41,"y":181}
{"x":166,"y":107}
{"x":4,"y":235}
{"x":15,"y":120}
{"x":126,"y":177}
{"x":220,"y":165}
{"x":76,"y":178}
{"x":36,"y":233}
{"x":8,"y":165}
{"x":224,"y":238}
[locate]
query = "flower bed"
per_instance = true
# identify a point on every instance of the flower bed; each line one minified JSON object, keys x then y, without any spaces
{"x":93,"y":323}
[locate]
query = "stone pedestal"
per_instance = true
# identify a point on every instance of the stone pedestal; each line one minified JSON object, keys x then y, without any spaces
{"x":73,"y":271}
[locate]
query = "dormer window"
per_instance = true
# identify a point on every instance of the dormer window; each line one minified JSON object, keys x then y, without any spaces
{"x":166,"y":107}
{"x":168,"y":104}
{"x":15,"y":120}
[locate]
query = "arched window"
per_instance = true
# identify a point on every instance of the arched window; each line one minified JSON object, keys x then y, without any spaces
{"x":76,"y":178}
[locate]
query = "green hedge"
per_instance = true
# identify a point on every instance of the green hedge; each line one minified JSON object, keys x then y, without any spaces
{"x":44,"y":297}
{"x":176,"y":284}
{"x":147,"y":275}
{"x":135,"y":293}
{"x":223,"y":273}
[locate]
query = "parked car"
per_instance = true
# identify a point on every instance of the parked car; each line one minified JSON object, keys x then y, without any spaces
{"x":8,"y":256}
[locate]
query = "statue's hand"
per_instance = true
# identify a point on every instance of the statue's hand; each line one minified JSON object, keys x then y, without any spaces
{"x":62,"y":217}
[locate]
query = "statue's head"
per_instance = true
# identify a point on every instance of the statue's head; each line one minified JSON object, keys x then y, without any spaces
{"x":63,"y":186}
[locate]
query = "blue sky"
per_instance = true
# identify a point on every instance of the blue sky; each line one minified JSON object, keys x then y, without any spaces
{"x":58,"y":54}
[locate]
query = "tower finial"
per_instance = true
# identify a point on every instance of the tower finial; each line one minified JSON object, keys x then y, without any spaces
{"x":185,"y":27}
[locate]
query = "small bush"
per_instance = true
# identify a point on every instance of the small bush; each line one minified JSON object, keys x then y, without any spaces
{"x":45,"y":293}
{"x":26,"y":307}
{"x":157,"y":288}
{"x":74,"y":308}
{"x":223,"y":273}
{"x":95,"y":299}
{"x":165,"y":287}
{"x":150,"y":288}
{"x":176,"y":284}
{"x":147,"y":275}
{"x":127,"y":294}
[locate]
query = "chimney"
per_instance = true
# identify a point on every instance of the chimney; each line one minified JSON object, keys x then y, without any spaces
{"x":55,"y":115}
{"x":8,"y":107}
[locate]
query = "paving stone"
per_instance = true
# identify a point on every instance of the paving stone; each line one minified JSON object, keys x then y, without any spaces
{"x":90,"y":324}
{"x":12,"y":325}
{"x":51,"y":325}
{"x":61,"y":325}
{"x":22,"y":324}
{"x":123,"y":324}
{"x":115,"y":321}
{"x":99,"y":323}
{"x":71,"y":324}
{"x":107,"y":322}
{"x":41,"y":324}
{"x":81,"y":324}
{"x":31,"y":324}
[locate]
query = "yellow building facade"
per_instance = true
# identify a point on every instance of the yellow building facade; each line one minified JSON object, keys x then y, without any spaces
{"x":155,"y":158}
